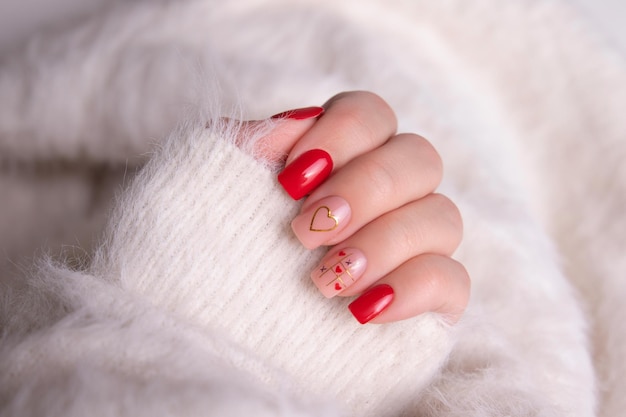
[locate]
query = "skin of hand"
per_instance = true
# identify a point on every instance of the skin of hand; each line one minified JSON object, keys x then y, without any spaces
{"x":391,"y":236}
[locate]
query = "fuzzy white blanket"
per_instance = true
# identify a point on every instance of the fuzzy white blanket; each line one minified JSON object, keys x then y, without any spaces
{"x":194,"y":298}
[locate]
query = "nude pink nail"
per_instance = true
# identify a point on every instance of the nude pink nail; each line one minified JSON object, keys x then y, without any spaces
{"x":338,"y":270}
{"x":321,"y":221}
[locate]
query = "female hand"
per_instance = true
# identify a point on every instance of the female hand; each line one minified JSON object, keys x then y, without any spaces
{"x":372,"y":198}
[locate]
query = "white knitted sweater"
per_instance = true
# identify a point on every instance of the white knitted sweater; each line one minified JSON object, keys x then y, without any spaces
{"x":195,"y":300}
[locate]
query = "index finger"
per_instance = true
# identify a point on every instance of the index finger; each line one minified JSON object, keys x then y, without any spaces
{"x":353,"y":124}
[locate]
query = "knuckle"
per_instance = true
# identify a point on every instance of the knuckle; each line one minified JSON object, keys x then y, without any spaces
{"x":385,"y":113}
{"x":355,"y":99}
{"x":448,"y":283}
{"x":417,"y":148}
{"x":432,"y":158}
{"x":380,"y":178}
{"x":431,"y":276}
{"x":460,"y":283}
{"x":450,"y":214}
{"x":464,"y":279}
{"x":377,"y":103}
{"x":363,"y":105}
{"x":407,"y":238}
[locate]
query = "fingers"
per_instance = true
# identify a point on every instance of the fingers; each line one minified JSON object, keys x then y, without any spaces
{"x":371,"y":193}
{"x":429,"y":225}
{"x":404,"y":169}
{"x":426,"y":283}
{"x":353,"y":124}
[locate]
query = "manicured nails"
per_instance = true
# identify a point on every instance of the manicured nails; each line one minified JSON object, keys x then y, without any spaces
{"x":338,"y":270}
{"x":321,"y":221}
{"x":371,"y":303}
{"x":305,"y":173}
{"x":311,"y":168}
{"x":300,"y":114}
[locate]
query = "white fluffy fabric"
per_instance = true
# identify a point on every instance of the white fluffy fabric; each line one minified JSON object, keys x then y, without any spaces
{"x":194,"y":298}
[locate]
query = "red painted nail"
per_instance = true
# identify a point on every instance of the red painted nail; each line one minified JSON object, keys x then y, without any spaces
{"x":305,"y":173}
{"x":371,"y":303}
{"x":300,"y":114}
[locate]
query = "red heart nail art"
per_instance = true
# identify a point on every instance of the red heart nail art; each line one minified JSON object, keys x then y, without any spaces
{"x":338,"y":270}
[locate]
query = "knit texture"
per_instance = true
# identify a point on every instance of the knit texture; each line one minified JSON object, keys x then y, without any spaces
{"x":204,"y":233}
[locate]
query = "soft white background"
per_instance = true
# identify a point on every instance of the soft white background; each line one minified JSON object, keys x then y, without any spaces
{"x":20,"y":18}
{"x":541,"y":122}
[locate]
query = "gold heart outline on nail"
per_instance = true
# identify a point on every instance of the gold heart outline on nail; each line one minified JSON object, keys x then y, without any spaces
{"x":329,"y":214}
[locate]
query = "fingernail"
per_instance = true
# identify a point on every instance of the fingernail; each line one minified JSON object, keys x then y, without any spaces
{"x":338,"y":270}
{"x":321,"y":221}
{"x":305,"y":173}
{"x":300,"y":114}
{"x":371,"y":303}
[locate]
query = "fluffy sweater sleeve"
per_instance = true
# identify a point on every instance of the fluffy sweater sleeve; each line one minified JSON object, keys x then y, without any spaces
{"x":200,"y":283}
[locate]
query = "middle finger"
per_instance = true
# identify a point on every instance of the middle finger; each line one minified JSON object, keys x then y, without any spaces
{"x":404,"y":169}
